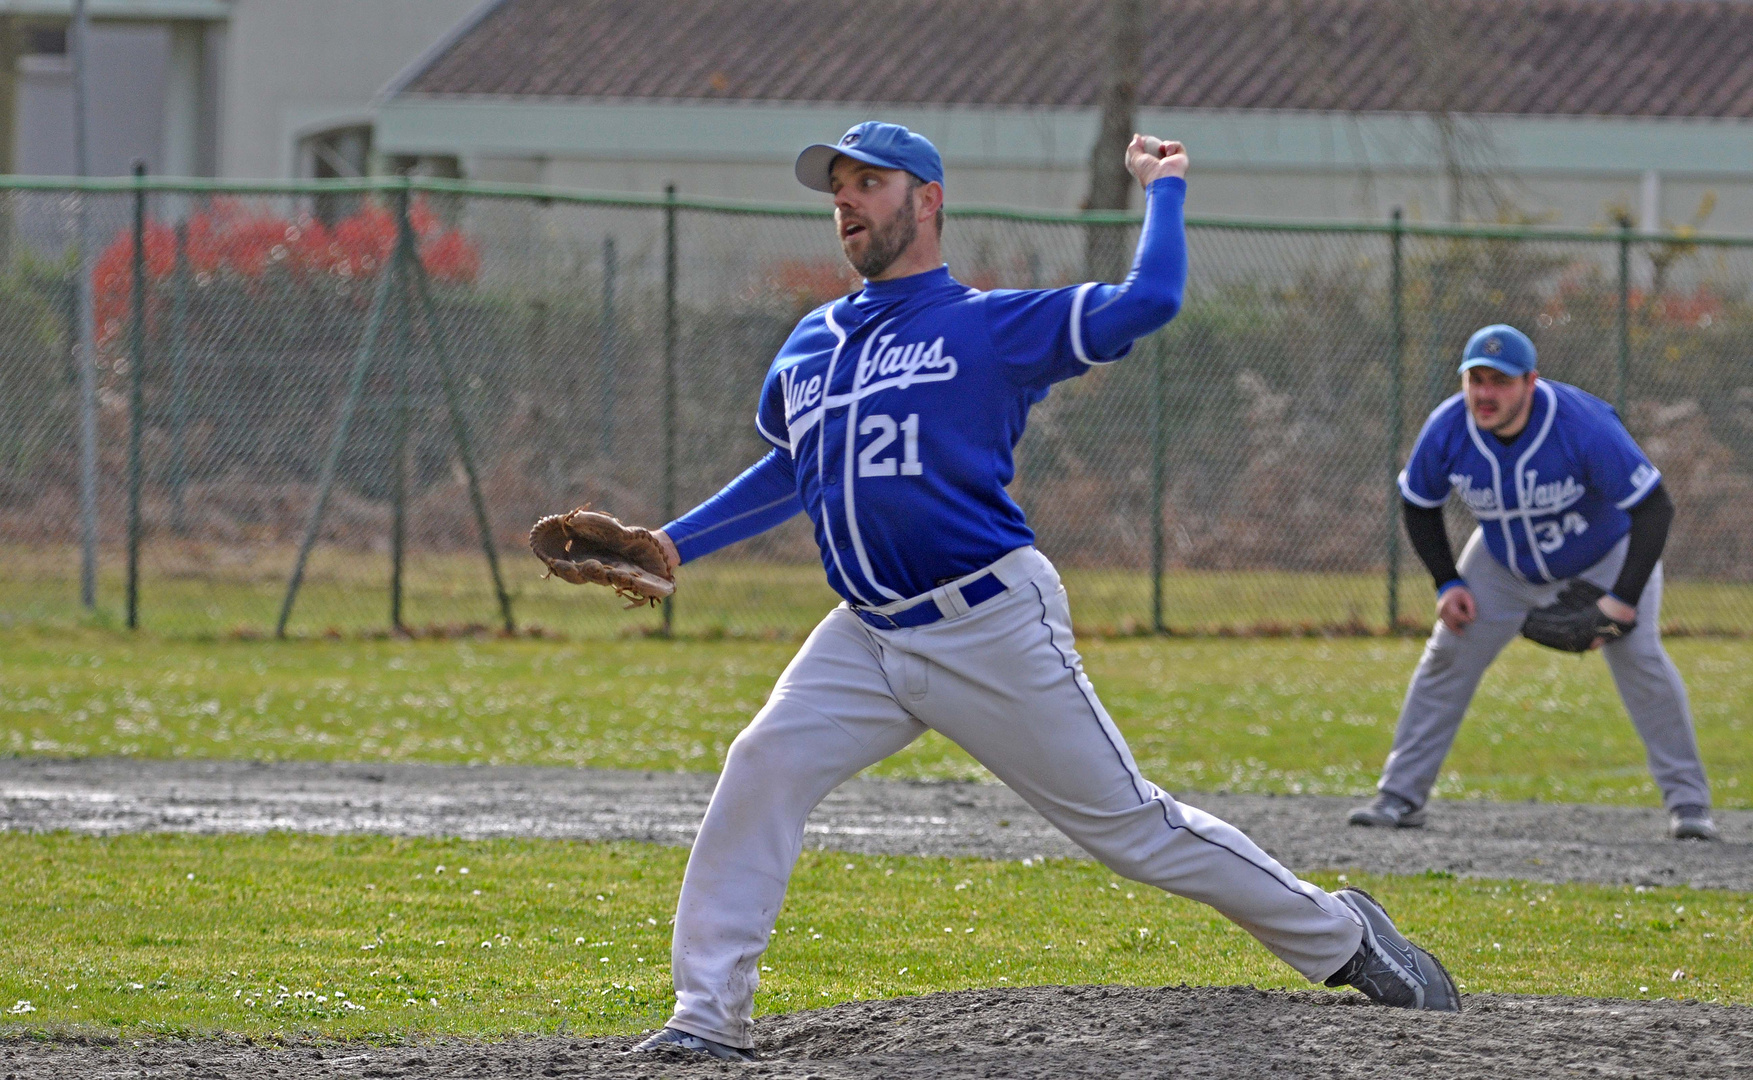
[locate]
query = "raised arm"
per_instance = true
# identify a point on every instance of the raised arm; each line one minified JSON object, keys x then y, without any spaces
{"x":764,"y":495}
{"x":1117,"y":315}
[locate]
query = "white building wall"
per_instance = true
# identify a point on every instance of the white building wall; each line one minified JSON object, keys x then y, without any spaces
{"x":1576,"y":172}
{"x":126,"y":87}
{"x":1569,"y":200}
{"x":293,"y":67}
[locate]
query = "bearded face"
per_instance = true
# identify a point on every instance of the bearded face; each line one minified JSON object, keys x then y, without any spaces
{"x":873,"y":245}
{"x":876,"y":213}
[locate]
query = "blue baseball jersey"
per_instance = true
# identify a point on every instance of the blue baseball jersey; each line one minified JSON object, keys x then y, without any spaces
{"x":1552,"y":502}
{"x":899,"y":407}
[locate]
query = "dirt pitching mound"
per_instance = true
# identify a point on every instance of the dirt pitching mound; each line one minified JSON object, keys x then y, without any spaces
{"x":1038,"y":1032}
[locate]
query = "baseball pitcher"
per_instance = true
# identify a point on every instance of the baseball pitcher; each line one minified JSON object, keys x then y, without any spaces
{"x":1572,"y":521}
{"x":892,"y":415}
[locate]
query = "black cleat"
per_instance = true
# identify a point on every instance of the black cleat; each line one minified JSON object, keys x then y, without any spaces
{"x":1689,"y":821}
{"x":1389,"y":969}
{"x":1389,"y":811}
{"x":671,"y":1041}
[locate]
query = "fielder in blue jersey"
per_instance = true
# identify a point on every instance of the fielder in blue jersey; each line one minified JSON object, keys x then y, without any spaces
{"x":892,"y":415}
{"x":1561,"y":492}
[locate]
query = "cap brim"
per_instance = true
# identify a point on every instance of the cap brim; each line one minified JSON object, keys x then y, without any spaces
{"x":815,"y":166}
{"x":1495,"y":365}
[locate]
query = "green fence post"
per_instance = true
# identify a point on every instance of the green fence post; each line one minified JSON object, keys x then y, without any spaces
{"x":178,"y":472}
{"x":669,"y":380}
{"x":607,"y":346}
{"x":453,"y":400}
{"x":136,"y":392}
{"x":338,"y":441}
{"x":399,"y":431}
{"x":1396,"y":410}
{"x":1159,"y":472}
{"x":1624,"y":366}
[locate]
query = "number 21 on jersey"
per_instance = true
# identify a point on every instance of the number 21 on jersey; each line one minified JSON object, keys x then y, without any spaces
{"x":885,"y":430}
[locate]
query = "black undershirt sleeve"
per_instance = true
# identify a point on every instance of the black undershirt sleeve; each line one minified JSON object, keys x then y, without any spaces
{"x":1650,"y":519}
{"x":1430,"y":538}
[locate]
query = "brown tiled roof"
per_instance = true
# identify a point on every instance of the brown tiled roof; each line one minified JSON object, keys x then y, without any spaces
{"x":1569,"y":57}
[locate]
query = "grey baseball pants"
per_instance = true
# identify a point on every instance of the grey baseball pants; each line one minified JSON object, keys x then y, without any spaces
{"x":1449,"y":673}
{"x":1003,"y":681}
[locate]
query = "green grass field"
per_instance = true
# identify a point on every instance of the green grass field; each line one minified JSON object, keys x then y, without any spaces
{"x":1283,"y":715}
{"x":385,"y":938}
{"x":193,"y":590}
{"x":364,"y":937}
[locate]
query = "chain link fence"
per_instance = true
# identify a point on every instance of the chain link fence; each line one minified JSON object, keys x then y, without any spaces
{"x":335,"y":408}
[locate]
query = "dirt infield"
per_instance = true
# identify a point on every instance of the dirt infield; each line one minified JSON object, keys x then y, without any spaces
{"x":1040,"y":1032}
{"x":1536,"y":841}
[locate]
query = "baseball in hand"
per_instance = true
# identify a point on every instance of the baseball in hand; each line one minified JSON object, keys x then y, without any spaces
{"x":1150,"y":158}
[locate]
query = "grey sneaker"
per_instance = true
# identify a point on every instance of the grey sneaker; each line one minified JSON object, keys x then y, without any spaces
{"x":1689,"y":821}
{"x":1389,"y":811}
{"x":1389,"y":969}
{"x":671,"y":1041}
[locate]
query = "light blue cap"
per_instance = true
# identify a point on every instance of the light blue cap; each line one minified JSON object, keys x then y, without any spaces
{"x":1501,"y":347}
{"x":887,"y":146}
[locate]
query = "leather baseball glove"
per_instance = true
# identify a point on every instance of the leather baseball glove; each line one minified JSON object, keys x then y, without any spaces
{"x":1573,"y":622}
{"x":590,"y":548}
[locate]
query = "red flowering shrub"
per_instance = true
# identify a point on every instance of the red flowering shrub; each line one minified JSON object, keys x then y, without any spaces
{"x":228,"y":242}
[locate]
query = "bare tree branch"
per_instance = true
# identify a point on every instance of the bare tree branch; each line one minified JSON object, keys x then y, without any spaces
{"x":1110,"y":184}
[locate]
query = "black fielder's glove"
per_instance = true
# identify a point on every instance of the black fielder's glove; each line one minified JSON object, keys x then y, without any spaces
{"x":1573,"y":621}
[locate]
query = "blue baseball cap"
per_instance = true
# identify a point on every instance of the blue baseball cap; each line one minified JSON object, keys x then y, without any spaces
{"x":1501,"y":347}
{"x":887,"y":146}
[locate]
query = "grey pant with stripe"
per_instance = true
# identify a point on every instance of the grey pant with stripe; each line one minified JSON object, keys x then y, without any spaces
{"x":1452,"y":665}
{"x":1004,"y":681}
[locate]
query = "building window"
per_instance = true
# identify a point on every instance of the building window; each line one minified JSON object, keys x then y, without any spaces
{"x":343,"y":152}
{"x":443,"y":166}
{"x":46,"y":41}
{"x":340,"y":153}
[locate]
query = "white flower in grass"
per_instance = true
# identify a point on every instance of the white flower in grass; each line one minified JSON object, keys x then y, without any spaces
{"x":22,"y":1007}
